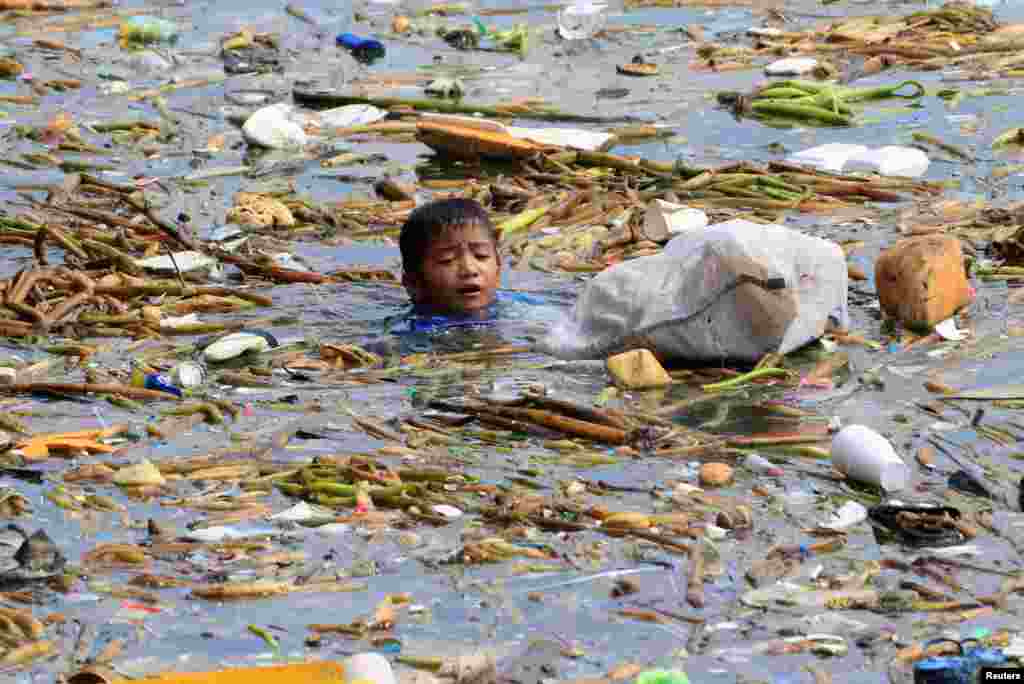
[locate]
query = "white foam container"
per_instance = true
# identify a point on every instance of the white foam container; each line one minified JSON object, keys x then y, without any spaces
{"x":862,"y":454}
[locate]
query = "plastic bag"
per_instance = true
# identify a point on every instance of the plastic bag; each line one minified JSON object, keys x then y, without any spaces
{"x":735,"y":291}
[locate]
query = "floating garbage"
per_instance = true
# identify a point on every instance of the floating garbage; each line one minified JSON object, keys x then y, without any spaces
{"x":581,"y":19}
{"x":682,"y":303}
{"x":791,"y":66}
{"x":184,"y":262}
{"x":271,"y":127}
{"x":669,"y":219}
{"x":145,"y":30}
{"x":147,"y":249}
{"x":862,"y":454}
{"x":188,"y":374}
{"x":921,"y":526}
{"x":234,"y":345}
{"x":28,"y":558}
{"x":363,"y":49}
{"x":891,"y":160}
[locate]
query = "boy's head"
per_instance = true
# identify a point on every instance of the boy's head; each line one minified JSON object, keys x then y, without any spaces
{"x":450,"y":262}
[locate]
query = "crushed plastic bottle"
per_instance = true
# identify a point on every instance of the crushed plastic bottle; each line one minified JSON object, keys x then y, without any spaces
{"x":363,"y":49}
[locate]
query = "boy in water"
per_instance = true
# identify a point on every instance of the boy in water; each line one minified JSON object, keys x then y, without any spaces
{"x":450,"y":262}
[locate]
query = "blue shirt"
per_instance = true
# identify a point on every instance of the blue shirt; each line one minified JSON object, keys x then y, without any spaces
{"x":425,"y":322}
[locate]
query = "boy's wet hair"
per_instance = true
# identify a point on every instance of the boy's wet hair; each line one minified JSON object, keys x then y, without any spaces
{"x":427,"y":222}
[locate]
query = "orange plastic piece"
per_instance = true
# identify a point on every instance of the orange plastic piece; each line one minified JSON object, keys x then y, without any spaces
{"x":322,"y":672}
{"x":38,"y":447}
{"x":462,"y":142}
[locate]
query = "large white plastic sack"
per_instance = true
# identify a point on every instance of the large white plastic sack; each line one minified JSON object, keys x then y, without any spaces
{"x":694,"y":301}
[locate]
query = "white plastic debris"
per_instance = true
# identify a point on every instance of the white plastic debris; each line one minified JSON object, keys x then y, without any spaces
{"x":736,"y":290}
{"x":791,"y":66}
{"x":188,"y":374}
{"x":351,"y":115}
{"x":830,"y":620}
{"x":219,"y":533}
{"x":828,"y":157}
{"x":961,"y":550}
{"x":849,"y":514}
{"x":372,"y":668}
{"x":305,"y":512}
{"x":1015,"y":649}
{"x":948,"y":331}
{"x":866,"y":456}
{"x":891,"y":160}
{"x":759,"y":464}
{"x":568,"y":137}
{"x":764,"y":31}
{"x":286,"y":260}
{"x":565,"y":137}
{"x":448,"y":511}
{"x":187,"y":262}
{"x":581,"y":19}
{"x":271,"y":127}
{"x":236,"y":344}
{"x":662,"y":217}
{"x":715,"y":533}
{"x":178,"y":322}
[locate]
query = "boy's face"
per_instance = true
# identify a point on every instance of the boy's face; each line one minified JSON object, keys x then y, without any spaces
{"x":460,"y":272}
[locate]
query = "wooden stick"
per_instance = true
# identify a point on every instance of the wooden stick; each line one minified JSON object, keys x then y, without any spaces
{"x":572,"y":426}
{"x":586,"y":413}
{"x":695,"y":583}
{"x":85,"y":388}
{"x":170,"y":288}
{"x":52,"y":5}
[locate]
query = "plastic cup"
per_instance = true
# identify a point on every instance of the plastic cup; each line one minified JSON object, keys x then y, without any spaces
{"x":862,"y":454}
